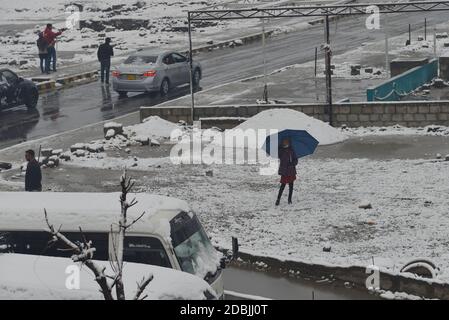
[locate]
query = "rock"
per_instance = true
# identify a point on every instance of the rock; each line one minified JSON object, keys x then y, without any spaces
{"x":144,"y":141}
{"x":369,"y":70}
{"x":355,"y":70}
{"x":210,"y":42}
{"x":420,"y":38}
{"x":22,"y":62}
{"x":5,"y":165}
{"x":365,"y":205}
{"x":77,"y":146}
{"x":66,"y":156}
{"x":209,"y":173}
{"x":57,"y":152}
{"x":128,"y":150}
{"x":80,"y":153}
{"x":95,"y":148}
{"x":50,"y":164}
{"x":438,"y":156}
{"x":110,"y":134}
{"x":47,"y":152}
{"x":54,"y":160}
{"x":441,"y":35}
{"x":327,"y":248}
{"x":155,"y":143}
{"x":134,"y":164}
{"x":446,"y":158}
{"x":238,"y":42}
{"x":118,"y":127}
{"x":378,"y":73}
{"x":446,"y":44}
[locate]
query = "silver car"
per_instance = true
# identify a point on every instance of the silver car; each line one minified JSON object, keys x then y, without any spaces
{"x":149,"y":72}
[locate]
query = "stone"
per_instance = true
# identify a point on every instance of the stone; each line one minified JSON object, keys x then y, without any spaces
{"x":369,"y":70}
{"x":57,"y":152}
{"x":327,"y":248}
{"x":420,"y":38}
{"x":47,"y":152}
{"x":77,"y":146}
{"x":446,"y":158}
{"x":209,"y":173}
{"x":154,"y":143}
{"x":438,"y":156}
{"x":128,"y":150}
{"x":110,"y":134}
{"x":365,"y":205}
{"x":439,"y":83}
{"x":5,"y":165}
{"x":66,"y":156}
{"x":117,"y":127}
{"x":95,"y":148}
{"x":80,"y":153}
{"x":144,"y":141}
{"x":441,"y":35}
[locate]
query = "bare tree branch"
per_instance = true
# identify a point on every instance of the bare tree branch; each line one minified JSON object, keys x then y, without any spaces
{"x":83,"y":257}
{"x":141,"y":286}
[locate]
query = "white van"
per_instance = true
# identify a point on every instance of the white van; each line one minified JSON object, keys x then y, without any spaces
{"x":168,"y":235}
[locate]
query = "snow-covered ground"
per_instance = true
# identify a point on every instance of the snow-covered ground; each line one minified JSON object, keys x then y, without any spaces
{"x":408,"y":218}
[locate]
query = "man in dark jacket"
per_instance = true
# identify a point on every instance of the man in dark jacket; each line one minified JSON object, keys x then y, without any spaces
{"x":104,"y":54}
{"x":42,"y":46}
{"x":33,"y":176}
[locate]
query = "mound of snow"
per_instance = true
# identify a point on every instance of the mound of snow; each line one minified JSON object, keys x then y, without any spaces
{"x":282,"y":119}
{"x":152,"y":127}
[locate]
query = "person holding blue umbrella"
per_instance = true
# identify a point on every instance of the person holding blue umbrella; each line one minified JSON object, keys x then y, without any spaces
{"x":287,"y":169}
{"x":295,"y":144}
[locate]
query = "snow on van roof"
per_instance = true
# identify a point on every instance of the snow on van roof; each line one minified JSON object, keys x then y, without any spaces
{"x":44,"y":278}
{"x":90,"y":211}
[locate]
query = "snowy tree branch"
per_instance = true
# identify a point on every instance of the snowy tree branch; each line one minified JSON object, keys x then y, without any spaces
{"x":141,"y":287}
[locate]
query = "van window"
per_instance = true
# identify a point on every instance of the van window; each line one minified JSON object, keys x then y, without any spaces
{"x":193,"y":249}
{"x":147,"y":250}
{"x":36,"y":243}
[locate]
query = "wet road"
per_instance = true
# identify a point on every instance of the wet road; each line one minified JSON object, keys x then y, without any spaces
{"x":90,"y":103}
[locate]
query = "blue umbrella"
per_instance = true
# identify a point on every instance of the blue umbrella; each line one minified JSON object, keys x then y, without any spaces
{"x":300,"y":140}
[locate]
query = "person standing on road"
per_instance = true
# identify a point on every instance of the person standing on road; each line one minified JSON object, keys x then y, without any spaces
{"x":104,"y":54}
{"x":42,"y":45}
{"x":50,"y":37}
{"x":33,"y":176}
{"x":287,"y":169}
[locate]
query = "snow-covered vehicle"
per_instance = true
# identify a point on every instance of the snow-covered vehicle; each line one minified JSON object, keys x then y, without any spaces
{"x":28,"y":277}
{"x":168,"y":235}
{"x":16,"y":91}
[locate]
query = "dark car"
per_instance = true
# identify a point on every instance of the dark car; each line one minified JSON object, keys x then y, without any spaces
{"x":16,"y":91}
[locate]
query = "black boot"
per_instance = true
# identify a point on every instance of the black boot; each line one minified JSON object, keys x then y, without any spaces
{"x":290,"y":193}
{"x":281,"y":190}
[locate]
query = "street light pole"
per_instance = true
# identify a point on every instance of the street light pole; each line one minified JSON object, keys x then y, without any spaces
{"x":192,"y":93}
{"x":328,"y":72}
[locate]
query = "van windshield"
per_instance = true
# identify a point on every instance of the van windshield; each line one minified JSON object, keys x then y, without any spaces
{"x":193,"y":249}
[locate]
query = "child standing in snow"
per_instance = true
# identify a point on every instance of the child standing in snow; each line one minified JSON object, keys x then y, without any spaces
{"x":287,"y":169}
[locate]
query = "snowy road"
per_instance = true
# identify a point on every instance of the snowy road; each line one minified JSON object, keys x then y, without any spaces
{"x":76,"y":107}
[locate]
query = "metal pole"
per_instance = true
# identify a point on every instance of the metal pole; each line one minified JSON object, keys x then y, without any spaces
{"x":316,"y":58}
{"x":425,"y":28}
{"x":192,"y":92}
{"x":409,"y":34}
{"x":387,"y":62}
{"x":328,"y":72}
{"x":435,"y":41}
{"x":265,"y":87}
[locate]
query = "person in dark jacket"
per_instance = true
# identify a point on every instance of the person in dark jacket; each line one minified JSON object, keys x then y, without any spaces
{"x":33,"y":176}
{"x":287,"y":169}
{"x":42,"y":46}
{"x":104,"y":54}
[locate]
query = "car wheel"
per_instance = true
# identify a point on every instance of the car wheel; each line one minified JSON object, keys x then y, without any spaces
{"x":31,"y":99}
{"x":122,"y":94}
{"x":165,"y":87}
{"x":196,"y":78}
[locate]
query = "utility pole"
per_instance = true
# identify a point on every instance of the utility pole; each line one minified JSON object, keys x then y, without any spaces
{"x":265,"y":87}
{"x":409,"y":34}
{"x":328,"y":71}
{"x":387,"y":60}
{"x":192,"y":93}
{"x":435,"y":41}
{"x":425,"y":28}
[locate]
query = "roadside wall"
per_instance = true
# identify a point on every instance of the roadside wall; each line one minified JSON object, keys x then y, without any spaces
{"x":366,"y":114}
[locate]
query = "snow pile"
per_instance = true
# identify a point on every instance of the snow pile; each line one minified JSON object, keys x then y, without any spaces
{"x":282,"y":119}
{"x":152,"y":127}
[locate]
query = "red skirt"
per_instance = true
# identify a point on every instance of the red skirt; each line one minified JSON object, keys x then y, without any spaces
{"x":287,"y":179}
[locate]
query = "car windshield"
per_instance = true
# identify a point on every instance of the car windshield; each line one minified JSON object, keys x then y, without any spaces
{"x":193,"y":249}
{"x":139,"y":60}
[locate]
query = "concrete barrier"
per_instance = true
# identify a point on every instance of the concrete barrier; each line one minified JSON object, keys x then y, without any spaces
{"x":46,"y":86}
{"x":355,"y":114}
{"x":91,"y":75}
{"x":356,"y":275}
